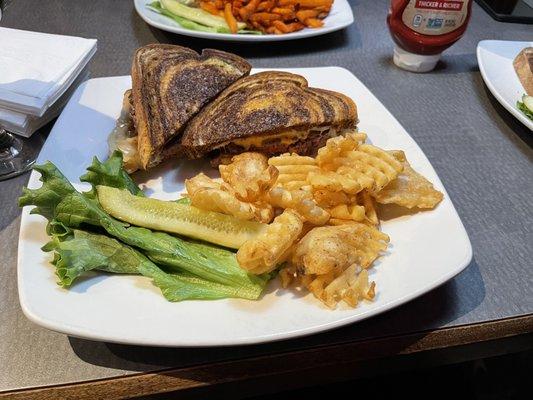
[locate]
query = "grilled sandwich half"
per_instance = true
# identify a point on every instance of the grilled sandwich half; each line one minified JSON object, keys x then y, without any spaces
{"x":271,"y":112}
{"x":170,"y":85}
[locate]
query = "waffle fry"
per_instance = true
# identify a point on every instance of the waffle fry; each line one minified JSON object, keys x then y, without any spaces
{"x":316,"y":284}
{"x":333,"y":182}
{"x":328,"y":248}
{"x":201,"y":181}
{"x":293,"y":170}
{"x":371,"y":166}
{"x":300,"y":201}
{"x":326,"y":232}
{"x":337,"y":147}
{"x":328,"y":199}
{"x":263,"y":253}
{"x":218,"y":200}
{"x":210,"y":195}
{"x":296,"y":185}
{"x":367,"y":201}
{"x":409,"y":189}
{"x":339,"y":221}
{"x":288,"y":275}
{"x":249,"y":175}
{"x":291,"y":159}
{"x":352,"y":212}
{"x":351,"y":286}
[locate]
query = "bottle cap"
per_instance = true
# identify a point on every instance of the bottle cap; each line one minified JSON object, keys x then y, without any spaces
{"x":414,"y":62}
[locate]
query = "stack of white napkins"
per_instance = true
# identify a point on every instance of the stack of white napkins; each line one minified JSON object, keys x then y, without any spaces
{"x":38,"y":73}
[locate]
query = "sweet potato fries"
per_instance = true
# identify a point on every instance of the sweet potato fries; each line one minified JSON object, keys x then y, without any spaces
{"x":271,"y":16}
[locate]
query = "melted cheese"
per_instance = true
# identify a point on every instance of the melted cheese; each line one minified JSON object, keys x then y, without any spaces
{"x":286,"y":138}
{"x":120,"y":138}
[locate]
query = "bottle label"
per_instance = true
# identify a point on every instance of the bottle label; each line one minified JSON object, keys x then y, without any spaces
{"x":435,"y":17}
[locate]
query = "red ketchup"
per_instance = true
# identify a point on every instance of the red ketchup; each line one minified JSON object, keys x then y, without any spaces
{"x":423,"y":29}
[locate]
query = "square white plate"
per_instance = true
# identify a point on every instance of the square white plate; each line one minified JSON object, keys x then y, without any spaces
{"x":339,"y":17}
{"x":495,"y":59}
{"x":427,"y":248}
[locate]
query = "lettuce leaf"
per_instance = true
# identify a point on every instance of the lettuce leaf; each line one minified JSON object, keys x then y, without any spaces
{"x":522,"y":107}
{"x":111,"y":173}
{"x":76,"y":252}
{"x":192,"y":25}
{"x":58,"y":201}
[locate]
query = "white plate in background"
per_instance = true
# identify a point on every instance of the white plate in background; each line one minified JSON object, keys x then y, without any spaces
{"x":495,"y":59}
{"x":426,"y":250}
{"x":340,"y":17}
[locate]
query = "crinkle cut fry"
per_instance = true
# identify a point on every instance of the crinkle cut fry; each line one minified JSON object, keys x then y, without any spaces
{"x":372,"y":167}
{"x":410,"y":189}
{"x":334,"y":182}
{"x":301,"y":201}
{"x":333,"y":248}
{"x":249,"y":175}
{"x":293,"y":169}
{"x":369,"y":204}
{"x":263,"y":253}
{"x":351,"y":286}
{"x":210,"y":195}
{"x":352,"y":212}
{"x":338,"y":146}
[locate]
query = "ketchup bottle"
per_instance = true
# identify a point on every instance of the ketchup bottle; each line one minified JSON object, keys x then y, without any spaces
{"x":423,"y":29}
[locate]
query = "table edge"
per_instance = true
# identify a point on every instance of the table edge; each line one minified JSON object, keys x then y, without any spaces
{"x":202,"y":375}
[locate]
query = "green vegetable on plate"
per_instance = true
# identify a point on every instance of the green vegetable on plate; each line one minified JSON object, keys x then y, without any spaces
{"x":59,"y":202}
{"x":196,"y":19}
{"x":526,"y":106}
{"x":77,"y":252}
{"x":169,"y":216}
{"x":111,"y":173}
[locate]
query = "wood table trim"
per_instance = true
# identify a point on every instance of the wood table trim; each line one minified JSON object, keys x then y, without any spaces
{"x":168,"y":380}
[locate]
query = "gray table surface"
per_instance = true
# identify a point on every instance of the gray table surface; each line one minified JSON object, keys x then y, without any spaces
{"x":481,"y":153}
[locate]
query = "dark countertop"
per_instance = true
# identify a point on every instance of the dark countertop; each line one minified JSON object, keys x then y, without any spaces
{"x":482,"y":154}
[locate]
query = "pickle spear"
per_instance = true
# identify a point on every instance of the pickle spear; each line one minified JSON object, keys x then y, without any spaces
{"x":169,"y":216}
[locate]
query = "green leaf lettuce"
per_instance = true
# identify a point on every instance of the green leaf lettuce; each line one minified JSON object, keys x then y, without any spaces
{"x":58,"y":201}
{"x":77,"y":252}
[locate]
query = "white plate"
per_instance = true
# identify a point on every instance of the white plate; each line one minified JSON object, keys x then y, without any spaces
{"x":495,"y":59}
{"x":339,"y":17}
{"x":427,"y":249}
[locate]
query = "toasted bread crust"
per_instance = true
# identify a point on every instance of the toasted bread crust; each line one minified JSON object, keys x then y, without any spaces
{"x":262,"y":104}
{"x":523,"y":65}
{"x":170,"y":84}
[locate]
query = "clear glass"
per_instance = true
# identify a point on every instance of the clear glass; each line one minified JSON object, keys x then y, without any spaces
{"x":3,"y":5}
{"x":17,"y":154}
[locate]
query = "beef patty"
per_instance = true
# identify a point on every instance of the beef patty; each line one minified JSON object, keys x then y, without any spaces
{"x":304,"y":147}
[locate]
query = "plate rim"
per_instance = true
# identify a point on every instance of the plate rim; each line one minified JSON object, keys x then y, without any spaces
{"x":244,"y":38}
{"x":492,"y":88}
{"x":92,"y":334}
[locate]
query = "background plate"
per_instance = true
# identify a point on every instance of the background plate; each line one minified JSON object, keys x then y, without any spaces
{"x":495,"y":59}
{"x":426,"y":249}
{"x":340,"y":17}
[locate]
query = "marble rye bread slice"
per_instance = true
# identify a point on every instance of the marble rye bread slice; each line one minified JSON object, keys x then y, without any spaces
{"x":523,"y":65}
{"x":274,"y":109}
{"x":170,"y":85}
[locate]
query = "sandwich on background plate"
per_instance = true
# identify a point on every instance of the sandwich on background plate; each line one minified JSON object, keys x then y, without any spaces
{"x":170,"y":85}
{"x":271,"y":112}
{"x":523,"y":65}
